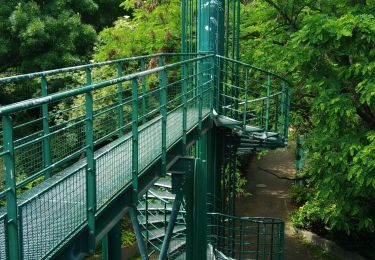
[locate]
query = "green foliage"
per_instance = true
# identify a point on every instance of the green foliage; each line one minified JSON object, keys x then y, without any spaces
{"x":308,"y":216}
{"x":299,"y":194}
{"x":326,"y":48}
{"x":127,"y":234}
{"x":150,"y":30}
{"x":37,"y":35}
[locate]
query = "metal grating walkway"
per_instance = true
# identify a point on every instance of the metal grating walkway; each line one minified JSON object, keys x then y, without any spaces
{"x":55,"y":209}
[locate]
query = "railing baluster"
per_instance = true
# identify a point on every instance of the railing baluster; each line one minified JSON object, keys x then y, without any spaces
{"x":276,"y":113}
{"x":218,"y":85}
{"x":271,"y":243}
{"x":120,"y":110}
{"x":268,"y":102}
{"x":163,"y":112}
{"x":287,"y":113}
{"x":264,"y":240}
{"x":282,"y":117}
{"x":90,"y":168}
{"x":144,"y":104}
{"x":47,"y":160}
{"x":135,"y":140}
{"x":184,"y":108}
{"x":200,"y":93}
{"x":13,"y":245}
{"x":246,"y":92}
{"x":241,"y":239}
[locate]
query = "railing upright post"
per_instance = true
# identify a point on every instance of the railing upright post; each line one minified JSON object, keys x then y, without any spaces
{"x":241,"y":240}
{"x":135,"y":140}
{"x":147,"y":224}
{"x":246,"y":91}
{"x":184,"y":108}
{"x":218,"y":85}
{"x":268,"y":102}
{"x":90,"y":168}
{"x":13,"y":245}
{"x":264,"y":240}
{"x":287,"y":113}
{"x":47,"y":158}
{"x":144,"y":104}
{"x":282,"y":117}
{"x":105,"y":247}
{"x":276,"y":113}
{"x":163,"y":112}
{"x":271,"y":243}
{"x":120,"y":109}
{"x":200,"y":94}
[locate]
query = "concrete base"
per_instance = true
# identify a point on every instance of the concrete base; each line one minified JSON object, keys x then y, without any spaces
{"x":329,"y":246}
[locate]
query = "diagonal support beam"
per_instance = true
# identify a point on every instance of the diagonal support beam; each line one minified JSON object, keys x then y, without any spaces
{"x":138,"y":234}
{"x":169,"y":233}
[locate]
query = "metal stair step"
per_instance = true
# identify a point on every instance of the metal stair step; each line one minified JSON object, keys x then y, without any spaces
{"x":175,"y":245}
{"x":153,"y":193}
{"x":153,"y":206}
{"x":160,"y":232}
{"x":158,"y":218}
{"x":164,"y":183}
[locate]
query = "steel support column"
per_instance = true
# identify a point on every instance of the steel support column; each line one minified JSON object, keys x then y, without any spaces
{"x":114,"y":242}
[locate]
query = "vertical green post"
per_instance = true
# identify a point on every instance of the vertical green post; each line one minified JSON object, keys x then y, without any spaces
{"x":105,"y":247}
{"x":90,"y":167}
{"x":282,"y":227}
{"x":287,"y":93}
{"x":184,"y":108}
{"x":163,"y":113}
{"x":282,"y":113}
{"x":183,"y":26}
{"x":135,"y":140}
{"x":271,"y":243}
{"x":268,"y":102}
{"x":242,"y":242}
{"x":218,"y":85}
{"x":13,"y":245}
{"x":200,"y":216}
{"x":47,"y":158}
{"x":264,"y":240}
{"x":144,"y":104}
{"x":246,"y":92}
{"x":200,"y":94}
{"x":114,"y":242}
{"x":120,"y":110}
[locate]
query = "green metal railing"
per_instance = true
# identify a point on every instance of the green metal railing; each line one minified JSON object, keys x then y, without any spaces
{"x":253,"y":96}
{"x":117,"y":126}
{"x":245,"y":237}
{"x":70,"y":151}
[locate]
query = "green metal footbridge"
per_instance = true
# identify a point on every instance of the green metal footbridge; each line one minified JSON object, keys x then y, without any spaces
{"x":157,"y":137}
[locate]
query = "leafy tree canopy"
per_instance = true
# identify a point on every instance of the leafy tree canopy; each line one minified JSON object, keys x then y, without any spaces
{"x":327,"y":49}
{"x":38,"y":35}
{"x":151,"y":29}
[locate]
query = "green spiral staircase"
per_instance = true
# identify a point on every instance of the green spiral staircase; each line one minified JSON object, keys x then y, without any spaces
{"x":156,"y":137}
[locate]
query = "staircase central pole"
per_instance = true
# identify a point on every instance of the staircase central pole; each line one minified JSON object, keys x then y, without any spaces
{"x":210,"y":39}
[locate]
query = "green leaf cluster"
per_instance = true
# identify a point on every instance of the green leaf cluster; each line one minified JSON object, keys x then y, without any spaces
{"x":154,"y":27}
{"x":326,"y":48}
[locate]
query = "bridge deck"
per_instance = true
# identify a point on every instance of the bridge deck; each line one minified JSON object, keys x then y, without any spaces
{"x":56,"y":209}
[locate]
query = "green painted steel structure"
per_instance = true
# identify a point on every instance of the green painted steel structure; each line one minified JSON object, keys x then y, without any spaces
{"x":78,"y":159}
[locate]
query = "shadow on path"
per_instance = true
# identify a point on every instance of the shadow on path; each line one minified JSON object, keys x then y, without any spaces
{"x":270,"y":196}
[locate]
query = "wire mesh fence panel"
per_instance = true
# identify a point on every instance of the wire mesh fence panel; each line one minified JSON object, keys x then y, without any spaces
{"x":48,"y":218}
{"x":3,"y":239}
{"x":245,"y":237}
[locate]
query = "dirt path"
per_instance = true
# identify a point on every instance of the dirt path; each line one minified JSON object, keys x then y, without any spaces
{"x":272,"y":200}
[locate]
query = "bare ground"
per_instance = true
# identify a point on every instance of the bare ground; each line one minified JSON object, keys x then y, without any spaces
{"x":272,"y":200}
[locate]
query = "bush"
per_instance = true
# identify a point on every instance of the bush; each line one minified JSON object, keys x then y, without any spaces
{"x":308,"y":217}
{"x":299,"y":194}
